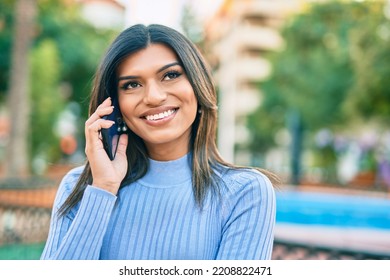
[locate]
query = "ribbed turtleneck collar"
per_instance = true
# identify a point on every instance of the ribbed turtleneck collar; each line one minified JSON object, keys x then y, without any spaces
{"x":164,"y":174}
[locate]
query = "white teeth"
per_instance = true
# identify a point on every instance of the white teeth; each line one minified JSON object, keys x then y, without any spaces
{"x":160,"y":115}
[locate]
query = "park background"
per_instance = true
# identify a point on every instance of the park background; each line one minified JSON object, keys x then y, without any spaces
{"x":303,"y":90}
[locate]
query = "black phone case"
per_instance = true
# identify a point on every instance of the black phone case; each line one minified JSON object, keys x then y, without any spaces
{"x":110,"y":136}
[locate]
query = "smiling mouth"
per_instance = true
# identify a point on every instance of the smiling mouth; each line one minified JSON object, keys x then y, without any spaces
{"x":161,"y":115}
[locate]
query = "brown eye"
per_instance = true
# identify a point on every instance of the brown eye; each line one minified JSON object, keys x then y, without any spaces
{"x":171,"y":75}
{"x":130,"y":85}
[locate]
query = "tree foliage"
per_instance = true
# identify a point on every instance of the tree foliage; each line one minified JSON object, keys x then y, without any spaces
{"x":6,"y":21}
{"x":80,"y":45}
{"x":369,"y":96}
{"x":334,"y":68}
{"x":46,"y":100}
{"x":65,"y":54}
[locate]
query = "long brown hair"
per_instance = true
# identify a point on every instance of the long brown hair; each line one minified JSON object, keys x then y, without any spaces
{"x":205,"y":155}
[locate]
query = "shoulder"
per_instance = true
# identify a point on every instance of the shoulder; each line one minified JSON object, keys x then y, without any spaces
{"x":71,"y":177}
{"x":236,"y":180}
{"x":68,"y":182}
{"x":245,"y":190}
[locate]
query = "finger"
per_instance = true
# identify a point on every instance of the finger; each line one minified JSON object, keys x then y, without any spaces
{"x":92,"y":131}
{"x":122,"y":144}
{"x":96,"y":126}
{"x":99,"y":113}
{"x":105,"y":103}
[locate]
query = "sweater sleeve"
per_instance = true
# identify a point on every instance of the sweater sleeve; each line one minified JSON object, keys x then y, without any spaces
{"x":79,"y":234}
{"x":249,"y":218}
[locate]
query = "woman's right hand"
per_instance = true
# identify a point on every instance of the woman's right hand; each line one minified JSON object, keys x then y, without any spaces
{"x":106,"y":174}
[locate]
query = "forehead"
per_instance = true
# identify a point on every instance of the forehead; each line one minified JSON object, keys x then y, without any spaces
{"x":153,"y":56}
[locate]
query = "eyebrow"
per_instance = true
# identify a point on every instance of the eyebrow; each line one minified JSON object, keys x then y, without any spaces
{"x":158,"y":71}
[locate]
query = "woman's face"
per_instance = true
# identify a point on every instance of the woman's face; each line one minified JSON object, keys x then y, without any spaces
{"x":157,"y":101}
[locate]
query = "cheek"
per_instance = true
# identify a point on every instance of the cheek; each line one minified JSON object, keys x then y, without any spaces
{"x":192,"y":107}
{"x":126,"y":106}
{"x":189,"y":98}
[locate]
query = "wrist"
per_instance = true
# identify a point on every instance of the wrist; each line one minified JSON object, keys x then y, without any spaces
{"x":111,"y":187}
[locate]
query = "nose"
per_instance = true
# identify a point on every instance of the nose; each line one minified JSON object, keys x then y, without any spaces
{"x":154,"y":94}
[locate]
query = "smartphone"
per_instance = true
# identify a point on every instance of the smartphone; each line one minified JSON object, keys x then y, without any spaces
{"x":110,"y":136}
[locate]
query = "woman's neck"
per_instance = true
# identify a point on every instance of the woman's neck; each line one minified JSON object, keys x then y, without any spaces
{"x":167,"y":152}
{"x":168,"y":173}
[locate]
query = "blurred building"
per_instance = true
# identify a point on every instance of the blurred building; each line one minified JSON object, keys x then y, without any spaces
{"x":238,"y":36}
{"x":167,"y":12}
{"x":103,"y":13}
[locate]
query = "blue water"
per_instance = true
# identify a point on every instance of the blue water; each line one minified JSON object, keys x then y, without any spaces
{"x":333,"y":210}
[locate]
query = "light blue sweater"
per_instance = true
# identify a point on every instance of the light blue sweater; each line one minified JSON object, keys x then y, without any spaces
{"x":158,"y":218}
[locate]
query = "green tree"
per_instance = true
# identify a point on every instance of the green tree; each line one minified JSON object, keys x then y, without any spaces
{"x":320,"y":71}
{"x":18,"y":97}
{"x":65,"y":51}
{"x":80,"y":45}
{"x":369,"y":97}
{"x":6,"y":22}
{"x":46,"y":102}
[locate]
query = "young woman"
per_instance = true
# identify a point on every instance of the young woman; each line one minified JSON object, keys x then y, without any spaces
{"x":167,"y":194}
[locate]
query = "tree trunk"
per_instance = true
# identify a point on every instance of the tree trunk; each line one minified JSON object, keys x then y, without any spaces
{"x":296,"y":129}
{"x":17,"y":158}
